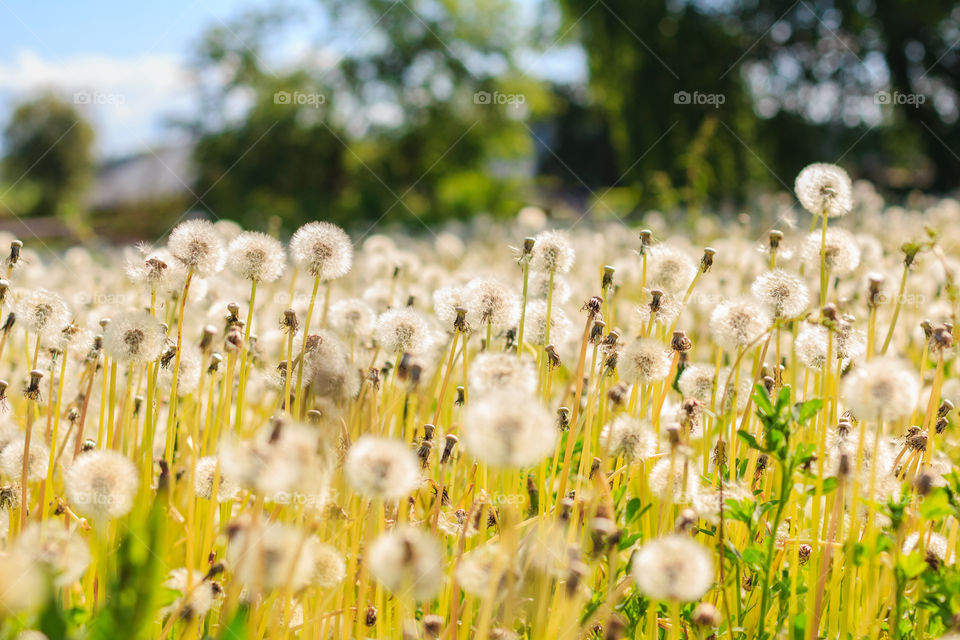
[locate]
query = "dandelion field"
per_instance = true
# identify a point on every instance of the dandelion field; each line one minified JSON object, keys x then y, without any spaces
{"x":742,"y":430}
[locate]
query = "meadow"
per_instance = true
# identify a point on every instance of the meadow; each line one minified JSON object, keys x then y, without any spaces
{"x":520,"y":429}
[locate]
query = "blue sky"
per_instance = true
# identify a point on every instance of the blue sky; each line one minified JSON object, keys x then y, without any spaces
{"x":126,"y":63}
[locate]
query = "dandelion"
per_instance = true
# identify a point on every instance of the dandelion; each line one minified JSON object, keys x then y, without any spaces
{"x":644,"y":361}
{"x":407,"y":562}
{"x":824,"y":189}
{"x":680,"y":486}
{"x":552,"y":253}
{"x":883,"y":389}
{"x":21,"y":583}
{"x":508,"y":429}
{"x":628,"y":437}
{"x":330,"y":567}
{"x":673,"y":568}
{"x":256,"y":256}
{"x":352,"y":318}
{"x":60,"y":553}
{"x":272,"y":555}
{"x":402,"y":330}
{"x":736,"y":324}
{"x":11,"y":460}
{"x":42,"y":312}
{"x":134,"y":337}
{"x":698,"y":381}
{"x":382,"y":468}
{"x":493,"y":371}
{"x":101,"y":485}
{"x":783,"y":294}
{"x":189,"y":376}
{"x":670,"y":269}
{"x":196,"y":244}
{"x":195,"y":602}
{"x":811,"y":345}
{"x":323,"y":250}
{"x":203,"y":475}
{"x":489,"y":302}
{"x":536,"y":324}
{"x":841,"y":255}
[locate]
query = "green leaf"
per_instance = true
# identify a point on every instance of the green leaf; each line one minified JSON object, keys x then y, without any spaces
{"x":936,"y":505}
{"x":829,"y":484}
{"x":749,"y":439}
{"x":627,"y":541}
{"x":632,"y":508}
{"x":754,"y":556}
{"x":802,"y":412}
{"x":762,"y":399}
{"x":912,"y":565}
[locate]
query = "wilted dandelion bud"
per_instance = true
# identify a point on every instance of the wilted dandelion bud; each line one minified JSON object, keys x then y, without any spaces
{"x":256,"y":256}
{"x":923,"y":483}
{"x":618,"y":394}
{"x":941,"y":339}
{"x":553,"y":356}
{"x":552,"y":253}
{"x":804,"y":551}
{"x":289,"y":322}
{"x":449,"y":442}
{"x":4,"y":289}
{"x":774,"y":238}
{"x":737,"y":323}
{"x":643,"y":362}
{"x":680,"y":342}
{"x":101,"y":485}
{"x":14,"y":256}
{"x":629,"y":437}
{"x":842,"y":254}
{"x":686,"y":521}
{"x":824,"y":189}
{"x":382,"y":468}
{"x":32,"y":390}
{"x":402,"y":330}
{"x":883,"y":389}
{"x":323,"y":250}
{"x":134,"y":337}
{"x":783,"y":294}
{"x":706,"y":615}
{"x":706,"y":262}
{"x":196,"y":244}
{"x":432,"y":625}
{"x":407,"y":560}
{"x":874,"y":292}
{"x":563,"y":419}
{"x":508,"y":429}
{"x":673,"y":568}
{"x":606,"y":281}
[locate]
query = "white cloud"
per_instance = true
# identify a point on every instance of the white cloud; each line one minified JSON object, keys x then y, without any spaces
{"x":128,"y":100}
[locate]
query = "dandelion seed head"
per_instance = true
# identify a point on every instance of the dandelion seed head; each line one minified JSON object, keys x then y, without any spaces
{"x":189,"y":377}
{"x":493,"y":371}
{"x":22,"y":583}
{"x":323,"y":250}
{"x":195,"y":603}
{"x":61,"y":554}
{"x":884,"y":388}
{"x":42,"y":312}
{"x":352,"y":318}
{"x":134,"y":337}
{"x":101,"y":484}
{"x":811,"y":345}
{"x":203,"y":475}
{"x":629,"y":437}
{"x":407,"y":562}
{"x":331,"y":568}
{"x":538,"y":288}
{"x":489,"y":301}
{"x":842,"y":254}
{"x":824,"y":189}
{"x":446,"y":301}
{"x":782,"y":293}
{"x":670,"y":269}
{"x":697,"y":381}
{"x":382,"y":468}
{"x":734,"y":324}
{"x":198,"y":246}
{"x":11,"y":459}
{"x":256,"y":256}
{"x":272,"y":555}
{"x":535,"y":324}
{"x":403,"y":330}
{"x":552,"y":252}
{"x":508,"y":429}
{"x":644,"y":361}
{"x":682,"y":487}
{"x":673,"y":568}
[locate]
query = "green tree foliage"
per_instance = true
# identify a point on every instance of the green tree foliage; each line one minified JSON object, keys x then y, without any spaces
{"x":415,"y":123}
{"x":799,"y":83}
{"x":48,"y":157}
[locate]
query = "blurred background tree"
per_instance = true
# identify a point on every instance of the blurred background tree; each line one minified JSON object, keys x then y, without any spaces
{"x":48,"y":159}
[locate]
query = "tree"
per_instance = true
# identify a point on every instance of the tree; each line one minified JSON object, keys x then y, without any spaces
{"x":49,"y":156}
{"x":408,"y":126}
{"x":716,"y":96}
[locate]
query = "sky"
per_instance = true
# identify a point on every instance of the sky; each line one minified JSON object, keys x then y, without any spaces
{"x":126,"y":63}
